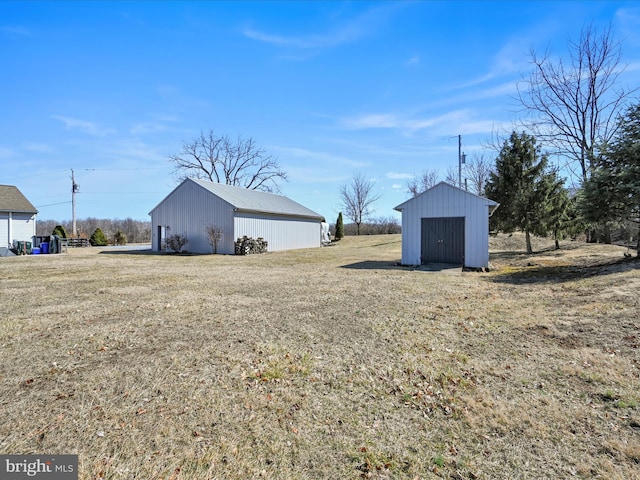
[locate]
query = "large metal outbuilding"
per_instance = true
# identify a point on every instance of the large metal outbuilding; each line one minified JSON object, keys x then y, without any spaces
{"x":196,"y":204}
{"x":446,"y":224}
{"x":17,"y":217}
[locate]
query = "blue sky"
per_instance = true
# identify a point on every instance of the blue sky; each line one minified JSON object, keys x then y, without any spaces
{"x":332,"y":89}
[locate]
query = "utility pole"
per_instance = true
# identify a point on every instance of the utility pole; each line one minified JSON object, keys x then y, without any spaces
{"x":74,"y":189}
{"x":461,"y":159}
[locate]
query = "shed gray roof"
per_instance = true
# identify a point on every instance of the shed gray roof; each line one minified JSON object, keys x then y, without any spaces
{"x":12,"y":200}
{"x":255,"y":201}
{"x":444,"y":185}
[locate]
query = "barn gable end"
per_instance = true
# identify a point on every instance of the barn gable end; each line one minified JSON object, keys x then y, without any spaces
{"x":434,"y":222}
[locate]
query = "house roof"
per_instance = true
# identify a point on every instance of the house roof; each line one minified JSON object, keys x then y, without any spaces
{"x":12,"y":200}
{"x":443,"y":185}
{"x":255,"y":201}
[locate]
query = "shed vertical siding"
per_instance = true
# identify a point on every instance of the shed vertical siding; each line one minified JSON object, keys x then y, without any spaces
{"x":281,"y":233}
{"x":16,"y":226}
{"x":23,"y":226}
{"x":188,"y":210}
{"x":442,"y":201}
{"x":192,"y":206}
{"x":4,"y":229}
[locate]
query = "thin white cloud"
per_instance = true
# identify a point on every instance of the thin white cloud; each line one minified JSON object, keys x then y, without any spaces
{"x":340,"y":33}
{"x":15,"y":31}
{"x":314,"y":175}
{"x":510,"y":60}
{"x":399,"y":176}
{"x":404,"y":150}
{"x":147,"y":127}
{"x":38,"y":147}
{"x":629,"y":19}
{"x":167,"y":90}
{"x":372,"y":120}
{"x":133,"y":151}
{"x":413,"y":61}
{"x":397,"y":186}
{"x":322,"y":158}
{"x":84,"y":126}
{"x":464,"y":122}
{"x":6,"y":153}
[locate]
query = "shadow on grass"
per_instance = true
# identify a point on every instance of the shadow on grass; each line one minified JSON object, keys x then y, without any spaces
{"x":376,"y":265}
{"x":565,"y":273}
{"x":513,"y":254}
{"x":147,"y":251}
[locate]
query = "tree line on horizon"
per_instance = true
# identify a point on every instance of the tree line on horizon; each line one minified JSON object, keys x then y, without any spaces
{"x":114,"y":230}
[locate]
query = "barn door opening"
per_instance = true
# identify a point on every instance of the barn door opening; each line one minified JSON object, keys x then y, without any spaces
{"x":159,"y":238}
{"x":442,"y":240}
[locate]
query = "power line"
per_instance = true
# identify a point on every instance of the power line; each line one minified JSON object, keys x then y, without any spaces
{"x":52,"y":204}
{"x":120,"y":169}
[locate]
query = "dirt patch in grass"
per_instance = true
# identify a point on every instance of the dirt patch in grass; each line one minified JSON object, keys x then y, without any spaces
{"x":324,"y":363}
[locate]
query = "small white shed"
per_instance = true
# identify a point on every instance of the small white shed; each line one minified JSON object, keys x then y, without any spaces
{"x":17,"y":217}
{"x":446,"y":224}
{"x":196,"y":204}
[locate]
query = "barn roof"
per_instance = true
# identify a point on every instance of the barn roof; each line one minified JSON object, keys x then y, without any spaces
{"x":255,"y":201}
{"x":12,"y":200}
{"x":444,"y":185}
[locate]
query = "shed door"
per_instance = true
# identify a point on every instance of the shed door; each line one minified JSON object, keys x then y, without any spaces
{"x":443,"y":240}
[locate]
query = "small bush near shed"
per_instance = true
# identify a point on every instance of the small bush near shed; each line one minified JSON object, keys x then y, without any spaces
{"x":177,"y":242}
{"x":98,"y":239}
{"x":120,"y":238}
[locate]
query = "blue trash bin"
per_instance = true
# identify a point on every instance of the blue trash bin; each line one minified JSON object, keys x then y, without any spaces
{"x":44,"y":247}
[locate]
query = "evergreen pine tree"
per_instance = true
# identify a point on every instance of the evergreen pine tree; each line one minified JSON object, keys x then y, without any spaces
{"x":60,"y":231}
{"x":339,"y":227}
{"x":530,"y":197}
{"x":612,"y":193}
{"x":98,"y":238}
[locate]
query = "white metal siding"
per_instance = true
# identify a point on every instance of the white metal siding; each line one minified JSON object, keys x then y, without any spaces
{"x":16,"y":226}
{"x":446,"y":201}
{"x":188,"y":210}
{"x":281,"y":233}
{"x":4,"y":229}
{"x":191,"y":207}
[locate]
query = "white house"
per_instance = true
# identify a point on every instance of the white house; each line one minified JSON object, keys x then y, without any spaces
{"x":446,"y":224}
{"x":197,"y":204}
{"x":17,"y":217}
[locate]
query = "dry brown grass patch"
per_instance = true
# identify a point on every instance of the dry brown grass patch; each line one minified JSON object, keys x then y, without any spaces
{"x":324,"y":363}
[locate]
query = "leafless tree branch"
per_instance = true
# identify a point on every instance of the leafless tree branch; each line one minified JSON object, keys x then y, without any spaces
{"x":217,"y":158}
{"x":573,"y":107}
{"x":422,"y":183}
{"x":358,"y":197}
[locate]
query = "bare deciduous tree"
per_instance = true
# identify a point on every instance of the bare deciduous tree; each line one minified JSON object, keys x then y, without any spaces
{"x":424,"y":182}
{"x":476,"y":172}
{"x":451,"y":177}
{"x":220,"y":159}
{"x":214,"y":235}
{"x":573,"y":106}
{"x":357,"y":198}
